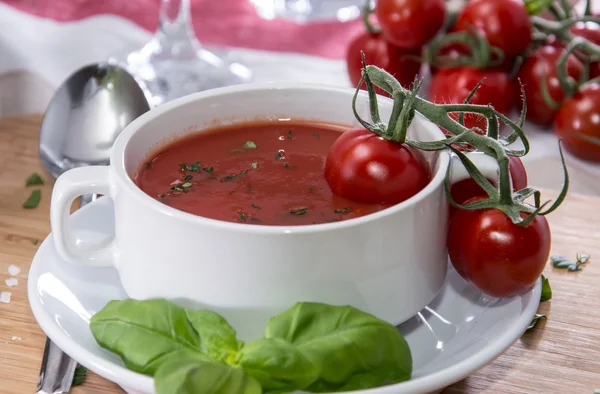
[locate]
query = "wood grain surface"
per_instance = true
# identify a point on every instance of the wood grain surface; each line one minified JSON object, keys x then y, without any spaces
{"x":561,"y":355}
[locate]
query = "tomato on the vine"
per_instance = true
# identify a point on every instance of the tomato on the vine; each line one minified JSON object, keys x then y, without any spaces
{"x":499,"y":257}
{"x":466,"y":189}
{"x":410,"y":24}
{"x":453,"y":85}
{"x":504,"y":23}
{"x":402,"y":64}
{"x":578,"y":123}
{"x":591,"y":32}
{"x":364,"y":167}
{"x":539,"y":66}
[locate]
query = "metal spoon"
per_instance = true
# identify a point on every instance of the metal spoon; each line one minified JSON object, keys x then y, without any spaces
{"x":85,"y":116}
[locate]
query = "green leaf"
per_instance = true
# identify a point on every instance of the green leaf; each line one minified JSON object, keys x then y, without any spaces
{"x":546,"y":289}
{"x":597,"y":391}
{"x":582,"y":258}
{"x":142,"y":332}
{"x":254,"y":165}
{"x":277,"y":365}
{"x":182,"y":373}
{"x":535,"y":320}
{"x":80,"y":375}
{"x":34,"y":179}
{"x":33,"y":200}
{"x":299,"y":211}
{"x":218,"y":338}
{"x":560,"y":262}
{"x":535,"y":7}
{"x":352,"y":349}
{"x":250,"y":145}
{"x":574,"y":268}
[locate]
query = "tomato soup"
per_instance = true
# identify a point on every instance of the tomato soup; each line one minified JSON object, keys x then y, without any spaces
{"x":268,"y":173}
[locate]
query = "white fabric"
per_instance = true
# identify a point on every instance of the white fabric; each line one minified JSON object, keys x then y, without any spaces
{"x":36,"y":55}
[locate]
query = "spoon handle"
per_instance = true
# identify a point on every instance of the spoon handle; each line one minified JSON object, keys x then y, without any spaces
{"x":57,"y":371}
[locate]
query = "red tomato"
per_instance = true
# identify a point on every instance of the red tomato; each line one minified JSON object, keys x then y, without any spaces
{"x":363,"y":167}
{"x":453,"y":85}
{"x":402,"y":64}
{"x":410,"y":24}
{"x":591,"y":32}
{"x":500,"y":258}
{"x":466,"y":189}
{"x":578,"y":118}
{"x":504,"y":23}
{"x":543,"y":62}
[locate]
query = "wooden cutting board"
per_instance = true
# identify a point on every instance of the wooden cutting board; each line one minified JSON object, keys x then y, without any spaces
{"x":561,"y":355}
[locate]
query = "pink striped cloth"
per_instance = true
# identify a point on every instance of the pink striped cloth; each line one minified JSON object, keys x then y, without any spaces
{"x":232,"y":23}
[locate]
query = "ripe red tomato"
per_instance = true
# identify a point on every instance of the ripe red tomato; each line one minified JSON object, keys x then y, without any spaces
{"x":578,"y":118}
{"x":466,"y":189}
{"x":402,"y":64}
{"x":363,"y":167}
{"x":543,"y":62}
{"x":453,"y":85}
{"x":500,"y":258}
{"x":504,"y":23}
{"x":591,"y":32}
{"x":410,"y":24}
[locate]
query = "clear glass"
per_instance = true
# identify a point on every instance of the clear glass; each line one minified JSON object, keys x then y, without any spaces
{"x":309,"y":10}
{"x":174,"y":63}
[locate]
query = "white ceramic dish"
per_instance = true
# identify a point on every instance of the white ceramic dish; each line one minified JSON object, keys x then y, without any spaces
{"x":399,"y":252}
{"x":459,"y":332}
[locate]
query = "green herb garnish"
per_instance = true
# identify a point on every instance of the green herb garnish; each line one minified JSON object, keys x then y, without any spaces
{"x":286,"y":165}
{"x":34,"y":199}
{"x":310,"y":347}
{"x":343,"y":210}
{"x":255,"y":165}
{"x":233,"y":176}
{"x":562,"y":262}
{"x":290,"y":135}
{"x":299,"y":211}
{"x":148,"y":165}
{"x":279,"y":155}
{"x":35,"y":241}
{"x":255,"y":206}
{"x":196,"y":167}
{"x":310,"y":190}
{"x":176,"y":188}
{"x":208,"y":169}
{"x":546,"y":289}
{"x":242,"y":216}
{"x":34,"y":180}
{"x":316,"y":135}
{"x":80,"y":375}
{"x":186,"y":185}
{"x":250,"y":145}
{"x":535,"y":320}
{"x":188,"y":178}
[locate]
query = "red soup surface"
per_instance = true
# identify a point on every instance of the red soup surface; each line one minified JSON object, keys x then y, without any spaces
{"x":268,"y":173}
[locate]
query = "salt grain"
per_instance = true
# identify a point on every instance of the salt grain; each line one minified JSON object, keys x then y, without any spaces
{"x":13,"y":270}
{"x":11,"y":282}
{"x":5,"y":296}
{"x":16,"y":338}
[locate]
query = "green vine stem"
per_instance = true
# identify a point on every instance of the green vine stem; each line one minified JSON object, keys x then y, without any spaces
{"x":366,"y":14}
{"x":481,"y":53}
{"x":407,"y":102}
{"x":560,"y":29}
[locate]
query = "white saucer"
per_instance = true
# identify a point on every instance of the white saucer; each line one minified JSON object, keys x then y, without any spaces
{"x":461,"y":331}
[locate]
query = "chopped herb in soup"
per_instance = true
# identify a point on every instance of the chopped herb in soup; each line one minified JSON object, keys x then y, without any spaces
{"x":268,"y":173}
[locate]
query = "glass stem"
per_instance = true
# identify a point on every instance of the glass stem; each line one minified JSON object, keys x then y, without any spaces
{"x":176,"y":24}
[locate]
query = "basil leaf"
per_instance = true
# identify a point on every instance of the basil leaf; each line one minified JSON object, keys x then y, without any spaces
{"x":34,"y":179}
{"x":143,"y":332}
{"x":535,"y":7}
{"x":218,"y":338}
{"x":560,"y":262}
{"x":352,"y":349}
{"x":535,"y":320}
{"x":33,"y":200}
{"x":250,"y":145}
{"x":277,"y":365}
{"x":582,"y":258}
{"x":79,"y":376}
{"x":546,"y":289}
{"x":181,"y":373}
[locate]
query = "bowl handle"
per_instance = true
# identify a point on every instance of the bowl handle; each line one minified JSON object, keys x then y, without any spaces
{"x":69,"y":186}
